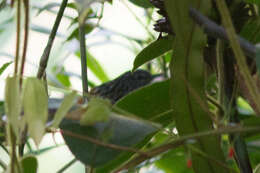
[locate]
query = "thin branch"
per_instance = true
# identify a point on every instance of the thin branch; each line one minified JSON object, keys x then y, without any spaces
{"x":65,"y":167}
{"x":17,"y":50}
{"x":181,"y":141}
{"x":240,"y":57}
{"x":47,"y":50}
{"x":101,"y":143}
{"x":26,"y":34}
{"x":214,"y":30}
{"x":83,"y":56}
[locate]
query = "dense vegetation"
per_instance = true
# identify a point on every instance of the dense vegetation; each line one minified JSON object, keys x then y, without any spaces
{"x":201,"y":116}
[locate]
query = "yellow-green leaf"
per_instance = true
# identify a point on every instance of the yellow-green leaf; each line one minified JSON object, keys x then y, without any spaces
{"x":65,"y":106}
{"x":13,"y":102}
{"x":35,"y":102}
{"x":98,"y":110}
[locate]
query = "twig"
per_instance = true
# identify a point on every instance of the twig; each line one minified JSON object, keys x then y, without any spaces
{"x":181,"y":141}
{"x":46,"y":53}
{"x":17,"y":49}
{"x":240,"y":58}
{"x":26,"y":32}
{"x":67,"y":165}
{"x":214,"y":30}
{"x":83,"y":56}
{"x":101,"y":143}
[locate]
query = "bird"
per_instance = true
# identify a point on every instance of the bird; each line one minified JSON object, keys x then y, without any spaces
{"x":124,"y":84}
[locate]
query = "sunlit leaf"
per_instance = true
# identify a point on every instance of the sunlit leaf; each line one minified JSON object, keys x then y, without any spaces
{"x":13,"y":102}
{"x":65,"y":106}
{"x":98,"y":110}
{"x":257,"y":169}
{"x":35,"y":102}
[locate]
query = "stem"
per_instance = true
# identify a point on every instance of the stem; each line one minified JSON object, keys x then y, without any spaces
{"x":101,"y":143}
{"x":18,"y":23}
{"x":240,"y":58}
{"x":67,"y":165}
{"x":83,"y":56}
{"x":46,"y":53}
{"x":26,"y":32}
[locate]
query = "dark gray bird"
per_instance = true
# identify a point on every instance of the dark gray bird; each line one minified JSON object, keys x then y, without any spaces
{"x":124,"y":84}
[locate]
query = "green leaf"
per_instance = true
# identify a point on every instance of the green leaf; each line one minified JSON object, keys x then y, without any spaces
{"x":4,"y":66}
{"x":65,"y":106}
{"x":142,"y":3}
{"x":35,"y":102}
{"x":127,"y":132}
{"x":13,"y":102}
{"x":153,"y":50}
{"x":29,"y":164}
{"x":98,"y":110}
{"x":178,"y":157}
{"x":63,"y":79}
{"x":151,"y":102}
{"x":188,"y":83}
{"x":95,"y":67}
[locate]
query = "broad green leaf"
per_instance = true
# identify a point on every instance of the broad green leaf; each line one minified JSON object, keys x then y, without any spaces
{"x":98,"y":110}
{"x":13,"y":102}
{"x":153,"y":50}
{"x":95,"y":67}
{"x":188,"y":83}
{"x":151,"y":102}
{"x":65,"y":106}
{"x":143,"y":103}
{"x":29,"y":164}
{"x":4,"y":66}
{"x":142,"y":3}
{"x":127,"y":132}
{"x":35,"y":103}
